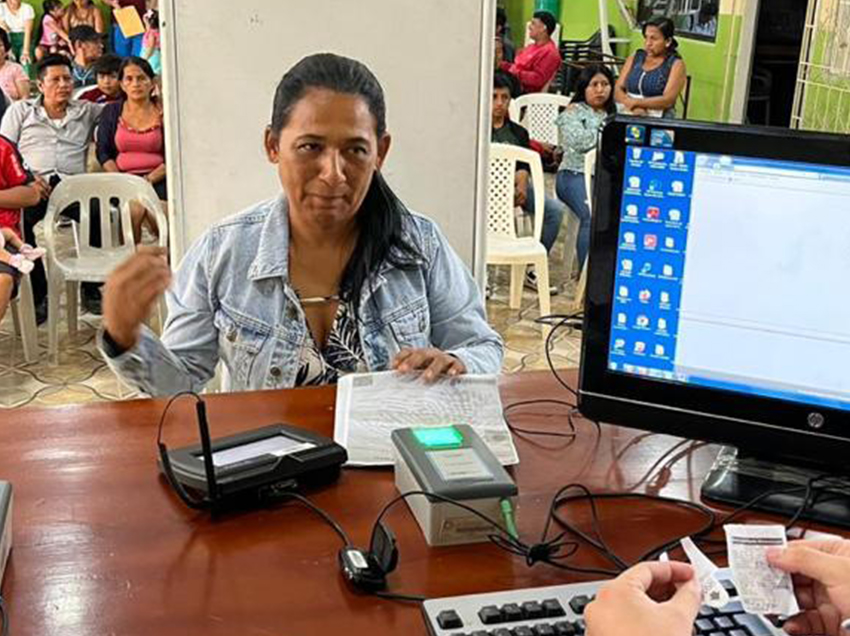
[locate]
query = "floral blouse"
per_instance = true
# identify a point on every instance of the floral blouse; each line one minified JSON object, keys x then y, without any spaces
{"x":342,"y":353}
{"x":578,"y":128}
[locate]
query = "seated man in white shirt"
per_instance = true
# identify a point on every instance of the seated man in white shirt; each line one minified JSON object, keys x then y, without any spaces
{"x":53,"y":133}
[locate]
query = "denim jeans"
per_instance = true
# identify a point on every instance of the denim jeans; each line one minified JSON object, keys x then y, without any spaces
{"x":553,"y":214}
{"x":570,"y":189}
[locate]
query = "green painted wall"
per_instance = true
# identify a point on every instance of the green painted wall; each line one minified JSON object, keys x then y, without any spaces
{"x":706,"y":62}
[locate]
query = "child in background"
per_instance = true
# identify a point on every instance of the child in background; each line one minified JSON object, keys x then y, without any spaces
{"x":54,"y":38}
{"x":150,"y":42}
{"x":108,"y":87}
{"x":23,"y":256}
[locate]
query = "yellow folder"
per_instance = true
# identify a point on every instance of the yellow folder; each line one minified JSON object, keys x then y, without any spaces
{"x":129,"y":21}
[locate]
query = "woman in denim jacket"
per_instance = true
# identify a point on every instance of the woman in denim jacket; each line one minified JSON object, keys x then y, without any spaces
{"x":332,"y":277}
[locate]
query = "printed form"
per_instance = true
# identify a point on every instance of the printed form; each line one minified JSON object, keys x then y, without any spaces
{"x":370,"y":406}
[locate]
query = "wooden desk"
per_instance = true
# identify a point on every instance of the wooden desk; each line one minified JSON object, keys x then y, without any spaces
{"x":101,"y":546}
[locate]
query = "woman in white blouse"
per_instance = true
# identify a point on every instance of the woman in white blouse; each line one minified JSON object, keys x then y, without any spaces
{"x":16,"y":19}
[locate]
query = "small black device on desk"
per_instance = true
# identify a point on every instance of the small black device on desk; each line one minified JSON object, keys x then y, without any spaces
{"x":249,"y":468}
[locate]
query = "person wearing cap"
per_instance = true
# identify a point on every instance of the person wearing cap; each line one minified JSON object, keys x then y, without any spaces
{"x":536,"y":64}
{"x":88,"y":47}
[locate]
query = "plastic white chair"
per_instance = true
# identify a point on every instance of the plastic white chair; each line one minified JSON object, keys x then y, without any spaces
{"x":23,"y":315}
{"x":504,"y":247}
{"x":114,"y":192}
{"x":537,"y":113}
{"x":589,"y":171}
{"x":556,"y":34}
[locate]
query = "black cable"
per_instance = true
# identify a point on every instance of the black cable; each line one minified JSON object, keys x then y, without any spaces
{"x":406,"y":598}
{"x":321,"y":513}
{"x":516,"y":429}
{"x":548,"y":351}
{"x":4,"y":617}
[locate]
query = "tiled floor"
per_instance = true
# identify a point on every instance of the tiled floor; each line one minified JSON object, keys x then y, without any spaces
{"x":82,"y":375}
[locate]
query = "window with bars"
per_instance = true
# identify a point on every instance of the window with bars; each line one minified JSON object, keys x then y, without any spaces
{"x":838,"y":45}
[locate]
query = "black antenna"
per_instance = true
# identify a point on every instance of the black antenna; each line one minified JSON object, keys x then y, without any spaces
{"x":212,"y":485}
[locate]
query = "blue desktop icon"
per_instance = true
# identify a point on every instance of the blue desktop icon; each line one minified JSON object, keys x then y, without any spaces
{"x":662,"y":138}
{"x":635,"y":134}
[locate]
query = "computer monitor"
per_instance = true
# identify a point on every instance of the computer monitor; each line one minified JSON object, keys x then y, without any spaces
{"x":718,"y":300}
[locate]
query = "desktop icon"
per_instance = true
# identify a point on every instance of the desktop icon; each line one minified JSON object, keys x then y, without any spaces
{"x":650,"y":241}
{"x":659,"y":350}
{"x":662,"y":324}
{"x":640,"y":347}
{"x":646,"y":269}
{"x":657,"y":156}
{"x":629,"y":237}
{"x":670,"y":243}
{"x":679,"y":157}
{"x":653,"y":213}
{"x":632,"y":210}
{"x":619,"y":343}
{"x":645,"y":295}
{"x":635,"y":134}
{"x":662,"y":138}
{"x":655,"y":185}
{"x":621,"y":319}
{"x":634,"y":183}
{"x":665,"y":298}
{"x":675,"y":215}
{"x":667,"y":270}
{"x":678,"y":187}
{"x":642,"y":321}
{"x":624,"y":291}
{"x":627,"y":265}
{"x":636,"y":153}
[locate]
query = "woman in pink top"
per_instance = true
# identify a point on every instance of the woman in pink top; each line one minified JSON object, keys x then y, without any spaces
{"x":130,"y":137}
{"x":13,"y":79}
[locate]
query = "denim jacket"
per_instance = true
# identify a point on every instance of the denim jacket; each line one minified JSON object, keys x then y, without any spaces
{"x":231,"y":301}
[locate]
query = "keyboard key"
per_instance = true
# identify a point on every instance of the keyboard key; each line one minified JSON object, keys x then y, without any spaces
{"x":523,"y":630}
{"x":580,"y":625}
{"x":737,"y":632}
{"x":724,"y":622}
{"x":480,"y":632}
{"x":490,"y":615}
{"x":533,"y":609}
{"x":705,"y":612}
{"x":448,"y":619}
{"x":729,"y":587}
{"x":733,"y":607}
{"x":553,"y":608}
{"x":502,"y":631}
{"x":578,"y":603}
{"x":564,"y":628}
{"x":704,"y":625}
{"x":544,"y":629}
{"x":511,"y":612}
{"x":753,"y":624}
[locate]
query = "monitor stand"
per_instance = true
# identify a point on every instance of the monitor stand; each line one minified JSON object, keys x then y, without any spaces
{"x":738,"y":480}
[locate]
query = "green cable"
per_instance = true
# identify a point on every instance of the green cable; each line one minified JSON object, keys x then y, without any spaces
{"x":508,"y":513}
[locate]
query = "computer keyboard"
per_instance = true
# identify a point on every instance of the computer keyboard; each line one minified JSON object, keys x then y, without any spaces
{"x":558,"y":611}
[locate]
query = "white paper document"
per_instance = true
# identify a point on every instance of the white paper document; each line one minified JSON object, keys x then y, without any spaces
{"x":369,"y":406}
{"x":763,"y":589}
{"x":713,"y":593}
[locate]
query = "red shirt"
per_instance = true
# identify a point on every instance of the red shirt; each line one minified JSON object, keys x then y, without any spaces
{"x":534,"y":66}
{"x":13,"y":173}
{"x":97,"y":96}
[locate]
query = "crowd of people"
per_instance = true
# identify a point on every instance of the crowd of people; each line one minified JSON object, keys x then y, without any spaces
{"x":649,"y":84}
{"x":92,"y":110}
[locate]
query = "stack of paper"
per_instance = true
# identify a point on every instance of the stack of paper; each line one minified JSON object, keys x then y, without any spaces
{"x":369,"y":406}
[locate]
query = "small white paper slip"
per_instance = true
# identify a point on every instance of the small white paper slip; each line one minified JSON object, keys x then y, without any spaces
{"x":713,"y":593}
{"x":762,"y":589}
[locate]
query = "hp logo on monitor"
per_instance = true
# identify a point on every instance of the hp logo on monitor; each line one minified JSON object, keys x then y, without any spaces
{"x":815,"y":420}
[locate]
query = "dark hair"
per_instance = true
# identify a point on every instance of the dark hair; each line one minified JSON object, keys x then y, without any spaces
{"x":382,"y":217}
{"x":4,"y":38}
{"x":48,"y":6}
{"x":153,"y":18}
{"x":501,"y":17}
{"x":503,"y":79}
{"x":83,"y":33}
{"x":667,"y":28}
{"x":136,"y":61}
{"x":583,"y":81}
{"x":548,"y":19}
{"x":109,"y":64}
{"x":54,"y":59}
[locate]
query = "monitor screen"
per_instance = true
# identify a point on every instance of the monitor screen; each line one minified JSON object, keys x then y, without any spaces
{"x":731,"y":274}
{"x":717,"y":305}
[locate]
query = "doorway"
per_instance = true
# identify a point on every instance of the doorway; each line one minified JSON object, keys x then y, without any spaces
{"x":776,"y":57}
